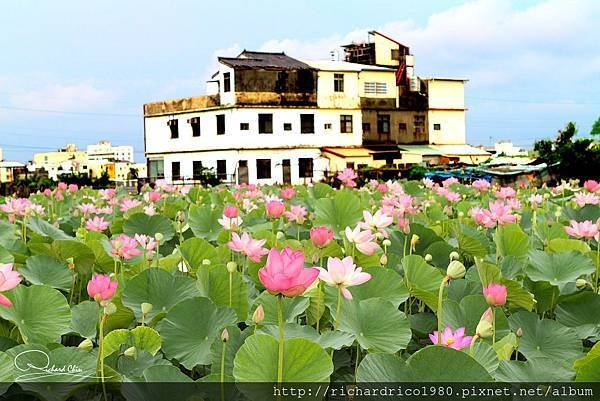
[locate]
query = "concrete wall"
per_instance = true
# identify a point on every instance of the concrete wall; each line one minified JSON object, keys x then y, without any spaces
{"x":328,"y":98}
{"x":446,"y":94}
{"x":452,"y":127}
{"x":383,"y":50}
{"x":396,"y":117}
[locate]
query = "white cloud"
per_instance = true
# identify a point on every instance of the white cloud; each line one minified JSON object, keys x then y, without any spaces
{"x":58,"y":96}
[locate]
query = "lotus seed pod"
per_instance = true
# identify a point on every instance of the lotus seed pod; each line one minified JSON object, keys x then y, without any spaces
{"x":428,"y":258}
{"x":456,"y":270}
{"x":146,"y":307}
{"x":259,"y":315}
{"x":205,"y":262}
{"x":231,"y":267}
{"x":454,"y":255}
{"x":159,"y":237}
{"x":386,"y":242}
{"x":86,"y":344}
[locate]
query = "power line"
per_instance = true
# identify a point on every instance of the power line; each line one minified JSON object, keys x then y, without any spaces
{"x":533,"y":101}
{"x":70,"y":112}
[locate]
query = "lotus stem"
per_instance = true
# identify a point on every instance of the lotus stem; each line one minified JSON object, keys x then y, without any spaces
{"x":223,"y":363}
{"x":493,"y":325}
{"x":230,"y":288}
{"x":337,"y":311}
{"x":440,"y":308}
{"x":472,"y":346}
{"x":281,"y":339}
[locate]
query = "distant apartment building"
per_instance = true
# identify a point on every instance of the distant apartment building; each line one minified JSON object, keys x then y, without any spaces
{"x":9,"y":170}
{"x":105,"y":151}
{"x":269,"y":118}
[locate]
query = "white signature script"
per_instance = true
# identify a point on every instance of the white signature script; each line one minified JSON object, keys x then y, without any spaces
{"x":36,"y":365}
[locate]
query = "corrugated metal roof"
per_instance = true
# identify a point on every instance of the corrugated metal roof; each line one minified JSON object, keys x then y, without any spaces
{"x":252,"y":59}
{"x":348,"y":152}
{"x":332,"y":65}
{"x":423,"y":150}
{"x":460,"y":150}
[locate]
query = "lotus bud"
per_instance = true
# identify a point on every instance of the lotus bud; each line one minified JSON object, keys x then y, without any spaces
{"x":86,"y":344}
{"x":146,"y":308}
{"x":456,"y":270}
{"x":205,"y":262}
{"x":110,"y":308}
{"x":519,"y":332}
{"x":280,"y":235}
{"x":383,"y":259}
{"x":130,"y":352}
{"x":485,"y":327}
{"x":259,"y":315}
{"x":386,"y":242}
{"x":225,"y":335}
{"x":461,"y":214}
{"x":558,"y":212}
{"x":181,"y":215}
{"x":231,"y":267}
{"x":414,"y":240}
{"x":428,"y":258}
{"x":581,"y":283}
{"x":454,"y":255}
{"x":71,"y":263}
{"x":159,"y":237}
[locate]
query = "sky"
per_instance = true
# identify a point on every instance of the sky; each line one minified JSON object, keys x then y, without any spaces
{"x":76,"y":71}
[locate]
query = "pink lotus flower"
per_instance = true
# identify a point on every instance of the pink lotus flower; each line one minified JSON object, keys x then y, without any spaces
{"x":231,"y":211}
{"x":274,"y":208}
{"x":585,"y":229}
{"x":382,"y":188}
{"x":347,"y":177}
{"x":149,"y":210}
{"x":154,"y":196}
{"x":363,"y":240}
{"x":481,"y":185}
{"x":501,"y":213}
{"x":230,"y":223}
{"x":482,"y":217}
{"x":449,"y":181}
{"x":62,"y":186}
{"x":124,"y":247}
{"x":58,"y":195}
{"x":87,"y":208}
{"x":285,"y":274}
{"x":47,"y":192}
{"x":296,"y":213}
{"x":376,"y":222}
{"x":107,"y":194}
{"x":582,"y":199}
{"x":506,"y":193}
{"x":146,"y":242}
{"x":428,"y":182}
{"x":96,"y":224}
{"x":321,"y":236}
{"x":15,"y":207}
{"x":452,"y":196}
{"x":73,"y":188}
{"x":9,"y":279}
{"x":343,"y":273}
{"x":127,"y":204}
{"x":101,"y":288}
{"x":495,"y":294}
{"x":288,"y":193}
{"x":252,"y":248}
{"x":535,"y":200}
{"x":456,"y":339}
{"x":592,"y":185}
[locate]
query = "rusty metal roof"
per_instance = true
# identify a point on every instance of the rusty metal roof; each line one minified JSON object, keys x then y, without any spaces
{"x":266,"y":60}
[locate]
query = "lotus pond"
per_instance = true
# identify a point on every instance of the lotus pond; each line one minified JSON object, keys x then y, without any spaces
{"x":391,"y":282}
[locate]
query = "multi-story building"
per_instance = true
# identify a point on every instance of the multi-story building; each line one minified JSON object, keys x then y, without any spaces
{"x":269,"y":118}
{"x":105,"y":151}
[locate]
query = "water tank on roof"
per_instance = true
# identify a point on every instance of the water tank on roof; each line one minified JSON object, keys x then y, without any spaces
{"x":409,"y":60}
{"x":414,"y":84}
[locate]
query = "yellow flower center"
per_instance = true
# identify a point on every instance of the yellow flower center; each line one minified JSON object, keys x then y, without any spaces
{"x":449,"y":341}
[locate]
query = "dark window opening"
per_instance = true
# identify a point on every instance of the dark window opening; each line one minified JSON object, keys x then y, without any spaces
{"x":227,"y":82}
{"x":350,"y":165}
{"x":307,"y":123}
{"x":419,"y":122}
{"x":346,"y":124}
{"x":305,"y":167}
{"x":197,"y":169}
{"x":157,"y":169}
{"x":265,"y":123}
{"x":327,"y":125}
{"x":287,"y":126}
{"x":402,"y":127}
{"x":176,"y":170}
{"x":383,"y":124}
{"x":437,"y":127}
{"x":220,"y":124}
{"x":338,"y":82}
{"x":263,"y":168}
{"x":244,"y":126}
{"x":366,"y":128}
{"x":222,"y":169}
{"x":174,"y":127}
{"x":195,"y":123}
{"x":395,"y":54}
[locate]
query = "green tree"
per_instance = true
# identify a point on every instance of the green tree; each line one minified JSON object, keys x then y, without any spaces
{"x":596,"y":128}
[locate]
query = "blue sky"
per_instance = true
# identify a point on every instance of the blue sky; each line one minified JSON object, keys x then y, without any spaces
{"x":77,"y":72}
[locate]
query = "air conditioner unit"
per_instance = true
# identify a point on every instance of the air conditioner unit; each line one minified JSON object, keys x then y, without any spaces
{"x":172,"y":123}
{"x":194,"y":120}
{"x":415,"y":85}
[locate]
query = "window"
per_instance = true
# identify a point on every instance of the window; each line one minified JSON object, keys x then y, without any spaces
{"x":375,"y":88}
{"x":227,"y":82}
{"x":305,"y":167}
{"x":338,"y":82}
{"x":366,"y":128}
{"x":263,"y":168}
{"x":395,"y":54}
{"x":195,"y":123}
{"x":287,"y":126}
{"x":383,"y":124}
{"x":346,"y":124}
{"x":265,"y":123}
{"x":220,"y":124}
{"x":307,"y":123}
{"x":437,"y":127}
{"x":244,"y":126}
{"x":327,"y":126}
{"x":176,"y":170}
{"x":174,"y":127}
{"x":350,"y":165}
{"x":197,"y":169}
{"x":402,"y":127}
{"x":222,"y":169}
